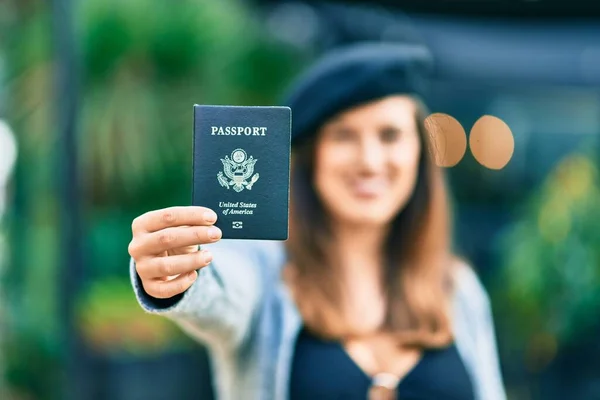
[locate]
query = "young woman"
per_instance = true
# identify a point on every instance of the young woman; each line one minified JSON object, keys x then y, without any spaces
{"x":365,"y":299}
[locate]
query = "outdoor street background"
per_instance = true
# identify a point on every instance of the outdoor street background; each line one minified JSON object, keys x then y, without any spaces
{"x":95,"y":128}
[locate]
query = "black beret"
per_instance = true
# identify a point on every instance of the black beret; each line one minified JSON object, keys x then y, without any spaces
{"x":353,"y":75}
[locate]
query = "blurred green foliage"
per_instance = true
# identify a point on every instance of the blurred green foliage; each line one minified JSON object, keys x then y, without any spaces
{"x":548,"y":285}
{"x":143,"y":64}
{"x":111,"y":321}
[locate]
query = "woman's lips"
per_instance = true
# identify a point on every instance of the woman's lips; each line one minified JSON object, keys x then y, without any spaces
{"x":368,"y":188}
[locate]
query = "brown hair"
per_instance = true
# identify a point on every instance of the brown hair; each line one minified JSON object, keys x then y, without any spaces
{"x":416,"y":277}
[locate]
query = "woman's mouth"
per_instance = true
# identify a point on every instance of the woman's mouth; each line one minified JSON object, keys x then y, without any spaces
{"x":369,"y":188}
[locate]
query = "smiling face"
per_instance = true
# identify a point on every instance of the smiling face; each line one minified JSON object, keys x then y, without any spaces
{"x":366,"y":161}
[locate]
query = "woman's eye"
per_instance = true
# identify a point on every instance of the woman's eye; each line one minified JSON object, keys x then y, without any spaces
{"x":390,"y":134}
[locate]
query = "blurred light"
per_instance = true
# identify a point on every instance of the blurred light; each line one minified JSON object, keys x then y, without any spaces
{"x":448,"y":139}
{"x":583,"y":177}
{"x":554,"y":220}
{"x":8,"y":156}
{"x":491,"y":142}
{"x":294,"y":23}
{"x":576,"y":176}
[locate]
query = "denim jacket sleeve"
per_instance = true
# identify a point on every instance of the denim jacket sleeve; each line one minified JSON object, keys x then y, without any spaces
{"x":219,"y":307}
{"x":476,"y":337}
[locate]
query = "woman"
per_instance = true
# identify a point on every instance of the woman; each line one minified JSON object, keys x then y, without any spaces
{"x":365,"y":299}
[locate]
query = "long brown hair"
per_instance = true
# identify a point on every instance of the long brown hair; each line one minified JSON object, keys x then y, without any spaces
{"x":416,"y":277}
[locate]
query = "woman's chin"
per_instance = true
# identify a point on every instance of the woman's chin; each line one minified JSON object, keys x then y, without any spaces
{"x":366,"y":216}
{"x":350,"y":209}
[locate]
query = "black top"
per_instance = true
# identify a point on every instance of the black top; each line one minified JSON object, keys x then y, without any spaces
{"x":323,"y":370}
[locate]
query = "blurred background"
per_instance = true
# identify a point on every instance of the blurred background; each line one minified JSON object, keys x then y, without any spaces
{"x":95,"y":128}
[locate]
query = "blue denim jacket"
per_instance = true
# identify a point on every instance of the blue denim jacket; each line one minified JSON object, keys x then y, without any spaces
{"x":242,"y":311}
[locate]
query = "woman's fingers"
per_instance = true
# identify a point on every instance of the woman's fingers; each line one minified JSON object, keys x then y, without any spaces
{"x":163,"y":268}
{"x":156,"y":243}
{"x":163,"y":289}
{"x":163,"y":247}
{"x":157,"y":220}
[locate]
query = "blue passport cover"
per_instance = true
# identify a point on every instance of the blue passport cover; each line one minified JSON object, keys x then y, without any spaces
{"x":241,"y":168}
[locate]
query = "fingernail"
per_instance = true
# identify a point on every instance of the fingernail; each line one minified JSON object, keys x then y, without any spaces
{"x":192,"y":276}
{"x":207,"y":257}
{"x":210,"y":216}
{"x":214,"y":232}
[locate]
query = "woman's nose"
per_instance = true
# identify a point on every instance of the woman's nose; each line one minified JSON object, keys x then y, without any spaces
{"x":371,"y":155}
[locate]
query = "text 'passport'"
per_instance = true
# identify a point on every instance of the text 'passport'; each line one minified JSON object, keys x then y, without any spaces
{"x":241,"y":169}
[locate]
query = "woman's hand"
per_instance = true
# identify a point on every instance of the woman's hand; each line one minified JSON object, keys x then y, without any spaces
{"x":165,"y":247}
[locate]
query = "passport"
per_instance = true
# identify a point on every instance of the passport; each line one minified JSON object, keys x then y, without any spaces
{"x":241,"y":168}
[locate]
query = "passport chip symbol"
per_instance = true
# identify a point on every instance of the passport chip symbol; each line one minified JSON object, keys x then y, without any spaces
{"x":237,"y":225}
{"x":237,"y":170}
